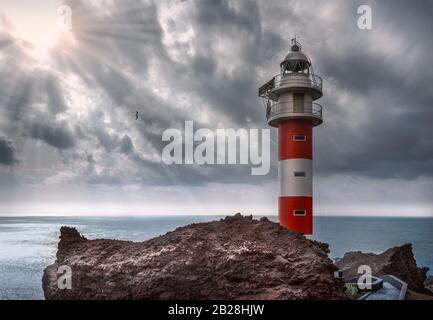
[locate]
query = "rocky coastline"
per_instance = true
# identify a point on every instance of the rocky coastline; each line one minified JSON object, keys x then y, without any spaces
{"x":237,"y":257}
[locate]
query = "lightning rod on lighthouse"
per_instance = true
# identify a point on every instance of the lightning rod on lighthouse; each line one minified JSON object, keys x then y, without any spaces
{"x":289,"y":99}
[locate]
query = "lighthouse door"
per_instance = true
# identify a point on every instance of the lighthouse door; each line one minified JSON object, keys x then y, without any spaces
{"x":298,"y":103}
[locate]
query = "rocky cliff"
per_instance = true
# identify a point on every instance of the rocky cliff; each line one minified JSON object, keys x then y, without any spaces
{"x":234,"y":258}
{"x":397,"y":261}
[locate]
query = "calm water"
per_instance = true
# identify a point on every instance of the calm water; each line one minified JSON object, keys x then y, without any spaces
{"x":28,"y":244}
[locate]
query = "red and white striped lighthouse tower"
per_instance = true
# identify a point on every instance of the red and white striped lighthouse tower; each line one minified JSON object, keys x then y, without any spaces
{"x":289,"y":98}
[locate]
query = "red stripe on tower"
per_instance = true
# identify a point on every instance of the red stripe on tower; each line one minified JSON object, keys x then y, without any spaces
{"x":295,"y":139}
{"x":286,"y":208}
{"x":289,"y":100}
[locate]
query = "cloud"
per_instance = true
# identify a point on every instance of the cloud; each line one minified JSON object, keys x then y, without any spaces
{"x":55,"y":98}
{"x":55,"y":136}
{"x":203,"y":61}
{"x":126,"y":145}
{"x":8,"y":153}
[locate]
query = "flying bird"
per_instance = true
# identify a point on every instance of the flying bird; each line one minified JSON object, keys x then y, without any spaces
{"x":136,"y":115}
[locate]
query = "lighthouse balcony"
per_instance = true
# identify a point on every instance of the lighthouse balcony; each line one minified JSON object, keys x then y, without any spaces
{"x":292,"y":81}
{"x":284,"y":110}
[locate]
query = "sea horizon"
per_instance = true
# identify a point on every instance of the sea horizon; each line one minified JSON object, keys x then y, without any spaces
{"x":5,"y":215}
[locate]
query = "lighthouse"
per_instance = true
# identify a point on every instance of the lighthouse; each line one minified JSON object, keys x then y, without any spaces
{"x":289,"y":99}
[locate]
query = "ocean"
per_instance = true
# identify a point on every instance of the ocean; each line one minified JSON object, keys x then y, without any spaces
{"x":28,"y":244}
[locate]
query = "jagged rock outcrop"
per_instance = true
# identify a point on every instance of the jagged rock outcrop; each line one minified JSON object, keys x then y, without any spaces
{"x":428,"y":283}
{"x":234,"y":258}
{"x":397,"y":261}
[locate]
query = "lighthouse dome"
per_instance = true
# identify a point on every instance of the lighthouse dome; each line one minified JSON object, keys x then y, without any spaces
{"x":295,"y":60}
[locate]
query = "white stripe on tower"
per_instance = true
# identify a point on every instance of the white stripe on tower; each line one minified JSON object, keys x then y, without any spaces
{"x":296,"y":177}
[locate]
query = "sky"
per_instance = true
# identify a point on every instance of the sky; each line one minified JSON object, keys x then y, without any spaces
{"x":70,"y":144}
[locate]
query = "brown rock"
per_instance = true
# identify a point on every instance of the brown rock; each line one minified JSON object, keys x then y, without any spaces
{"x":234,"y":258}
{"x":412,"y":295}
{"x":397,"y":261}
{"x":428,"y":283}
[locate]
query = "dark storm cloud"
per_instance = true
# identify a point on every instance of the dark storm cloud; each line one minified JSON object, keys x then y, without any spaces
{"x":56,"y":101}
{"x":8,"y":153}
{"x":393,"y":89}
{"x":106,"y":140}
{"x":122,"y":56}
{"x":394,"y":140}
{"x":55,"y":136}
{"x":233,"y":94}
{"x":20,"y":98}
{"x":160,"y":174}
{"x":387,"y":147}
{"x":126,"y":145}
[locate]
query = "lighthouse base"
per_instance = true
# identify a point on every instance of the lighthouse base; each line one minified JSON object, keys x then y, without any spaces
{"x":296,"y":213}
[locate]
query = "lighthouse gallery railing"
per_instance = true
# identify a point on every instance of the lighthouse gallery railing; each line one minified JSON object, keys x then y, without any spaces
{"x":293,"y":108}
{"x":287,"y":79}
{"x":290,"y":79}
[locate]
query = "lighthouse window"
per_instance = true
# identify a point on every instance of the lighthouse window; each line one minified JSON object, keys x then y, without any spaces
{"x":299,"y":212}
{"x":299,"y":137}
{"x":299,"y":174}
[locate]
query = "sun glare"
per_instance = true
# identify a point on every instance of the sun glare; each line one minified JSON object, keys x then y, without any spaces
{"x":41,"y":39}
{"x":35,"y":23}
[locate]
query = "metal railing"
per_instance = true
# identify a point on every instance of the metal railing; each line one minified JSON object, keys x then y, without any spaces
{"x":294,"y":108}
{"x":288,"y":80}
